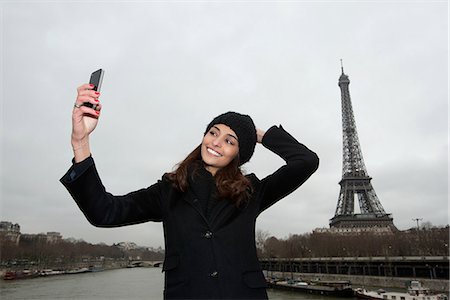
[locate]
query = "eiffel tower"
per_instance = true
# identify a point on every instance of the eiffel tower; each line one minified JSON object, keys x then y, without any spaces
{"x":355,"y":183}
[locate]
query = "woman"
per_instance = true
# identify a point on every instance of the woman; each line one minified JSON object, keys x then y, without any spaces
{"x":207,"y":206}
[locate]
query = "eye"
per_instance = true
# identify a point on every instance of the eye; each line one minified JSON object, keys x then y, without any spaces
{"x":213,"y":132}
{"x":230,"y":141}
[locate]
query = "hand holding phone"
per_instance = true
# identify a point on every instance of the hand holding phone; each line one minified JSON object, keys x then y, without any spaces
{"x":96,"y":80}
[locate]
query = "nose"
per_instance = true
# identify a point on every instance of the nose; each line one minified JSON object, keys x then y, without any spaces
{"x":217,"y":142}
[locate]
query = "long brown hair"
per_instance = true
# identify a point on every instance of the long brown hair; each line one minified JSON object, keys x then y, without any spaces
{"x":230,"y":181}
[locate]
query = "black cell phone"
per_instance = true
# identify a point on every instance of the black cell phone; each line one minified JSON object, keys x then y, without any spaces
{"x":96,"y":80}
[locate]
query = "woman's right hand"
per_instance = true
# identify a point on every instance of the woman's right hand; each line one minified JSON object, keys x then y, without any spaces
{"x":84,"y":120}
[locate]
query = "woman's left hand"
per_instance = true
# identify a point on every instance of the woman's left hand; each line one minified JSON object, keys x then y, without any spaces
{"x":259,"y":135}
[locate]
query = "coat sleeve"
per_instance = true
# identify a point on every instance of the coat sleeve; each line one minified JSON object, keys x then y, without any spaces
{"x":102,"y":209}
{"x":301,"y":163}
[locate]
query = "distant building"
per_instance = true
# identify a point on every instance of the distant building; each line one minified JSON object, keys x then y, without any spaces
{"x":74,"y":240}
{"x":355,"y":230}
{"x":9,"y":227}
{"x":40,"y":237}
{"x":157,"y":250}
{"x":10,"y":232}
{"x":127,"y":246}
{"x":49,"y":237}
{"x":53,"y":237}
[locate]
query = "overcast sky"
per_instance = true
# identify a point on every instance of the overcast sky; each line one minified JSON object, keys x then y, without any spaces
{"x":173,"y":66}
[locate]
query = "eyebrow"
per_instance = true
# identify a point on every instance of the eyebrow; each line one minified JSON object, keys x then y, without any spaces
{"x":228,"y":133}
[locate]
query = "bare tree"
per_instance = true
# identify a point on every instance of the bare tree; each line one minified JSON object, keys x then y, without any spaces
{"x":432,"y":241}
{"x":261,"y":237}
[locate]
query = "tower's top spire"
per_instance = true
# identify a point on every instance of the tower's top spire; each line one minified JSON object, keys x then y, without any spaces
{"x":343,"y":78}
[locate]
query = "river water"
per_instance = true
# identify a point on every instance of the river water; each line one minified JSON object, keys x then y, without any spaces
{"x":135,"y":283}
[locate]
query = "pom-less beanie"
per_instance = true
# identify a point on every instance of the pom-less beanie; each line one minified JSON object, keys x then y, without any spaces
{"x":245,"y":130}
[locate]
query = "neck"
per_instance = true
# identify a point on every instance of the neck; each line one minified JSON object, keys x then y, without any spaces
{"x":211,"y":169}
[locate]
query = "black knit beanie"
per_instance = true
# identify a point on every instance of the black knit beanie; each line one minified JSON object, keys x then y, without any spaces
{"x":245,"y":130}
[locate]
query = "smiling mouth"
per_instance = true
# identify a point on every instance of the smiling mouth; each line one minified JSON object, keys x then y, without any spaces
{"x":215,"y":153}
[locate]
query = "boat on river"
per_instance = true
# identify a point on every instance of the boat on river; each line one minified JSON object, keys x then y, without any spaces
{"x":415,"y":291}
{"x":77,"y":271}
{"x":25,"y":274}
{"x":51,"y":272}
{"x":336,"y":288}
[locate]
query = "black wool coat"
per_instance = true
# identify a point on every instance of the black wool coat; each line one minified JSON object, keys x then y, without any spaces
{"x":206,"y":257}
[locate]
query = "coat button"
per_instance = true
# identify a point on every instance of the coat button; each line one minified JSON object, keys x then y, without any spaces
{"x":214,"y":274}
{"x":208,"y":235}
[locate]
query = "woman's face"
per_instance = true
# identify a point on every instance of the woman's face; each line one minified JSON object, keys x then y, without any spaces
{"x":219,"y":147}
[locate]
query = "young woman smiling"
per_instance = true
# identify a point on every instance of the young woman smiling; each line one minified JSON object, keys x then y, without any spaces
{"x":208,"y":207}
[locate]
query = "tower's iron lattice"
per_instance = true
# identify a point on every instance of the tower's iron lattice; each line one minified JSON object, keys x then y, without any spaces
{"x":355,"y":183}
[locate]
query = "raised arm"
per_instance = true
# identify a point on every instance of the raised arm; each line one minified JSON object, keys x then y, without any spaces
{"x":301,"y":163}
{"x":101,"y":208}
{"x":84,"y":121}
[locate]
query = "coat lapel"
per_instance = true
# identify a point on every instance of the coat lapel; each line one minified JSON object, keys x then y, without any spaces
{"x":193,"y":202}
{"x":214,"y":212}
{"x":223,"y":213}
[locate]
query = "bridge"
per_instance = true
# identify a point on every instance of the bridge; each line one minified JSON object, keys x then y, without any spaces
{"x":426,"y":267}
{"x":146,"y":263}
{"x":389,"y":271}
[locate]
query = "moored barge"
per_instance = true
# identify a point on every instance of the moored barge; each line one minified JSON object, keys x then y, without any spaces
{"x":336,"y":288}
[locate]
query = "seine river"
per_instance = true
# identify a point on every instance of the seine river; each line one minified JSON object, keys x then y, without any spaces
{"x":136,"y":283}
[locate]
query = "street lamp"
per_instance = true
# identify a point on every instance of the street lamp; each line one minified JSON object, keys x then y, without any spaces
{"x":417,"y":221}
